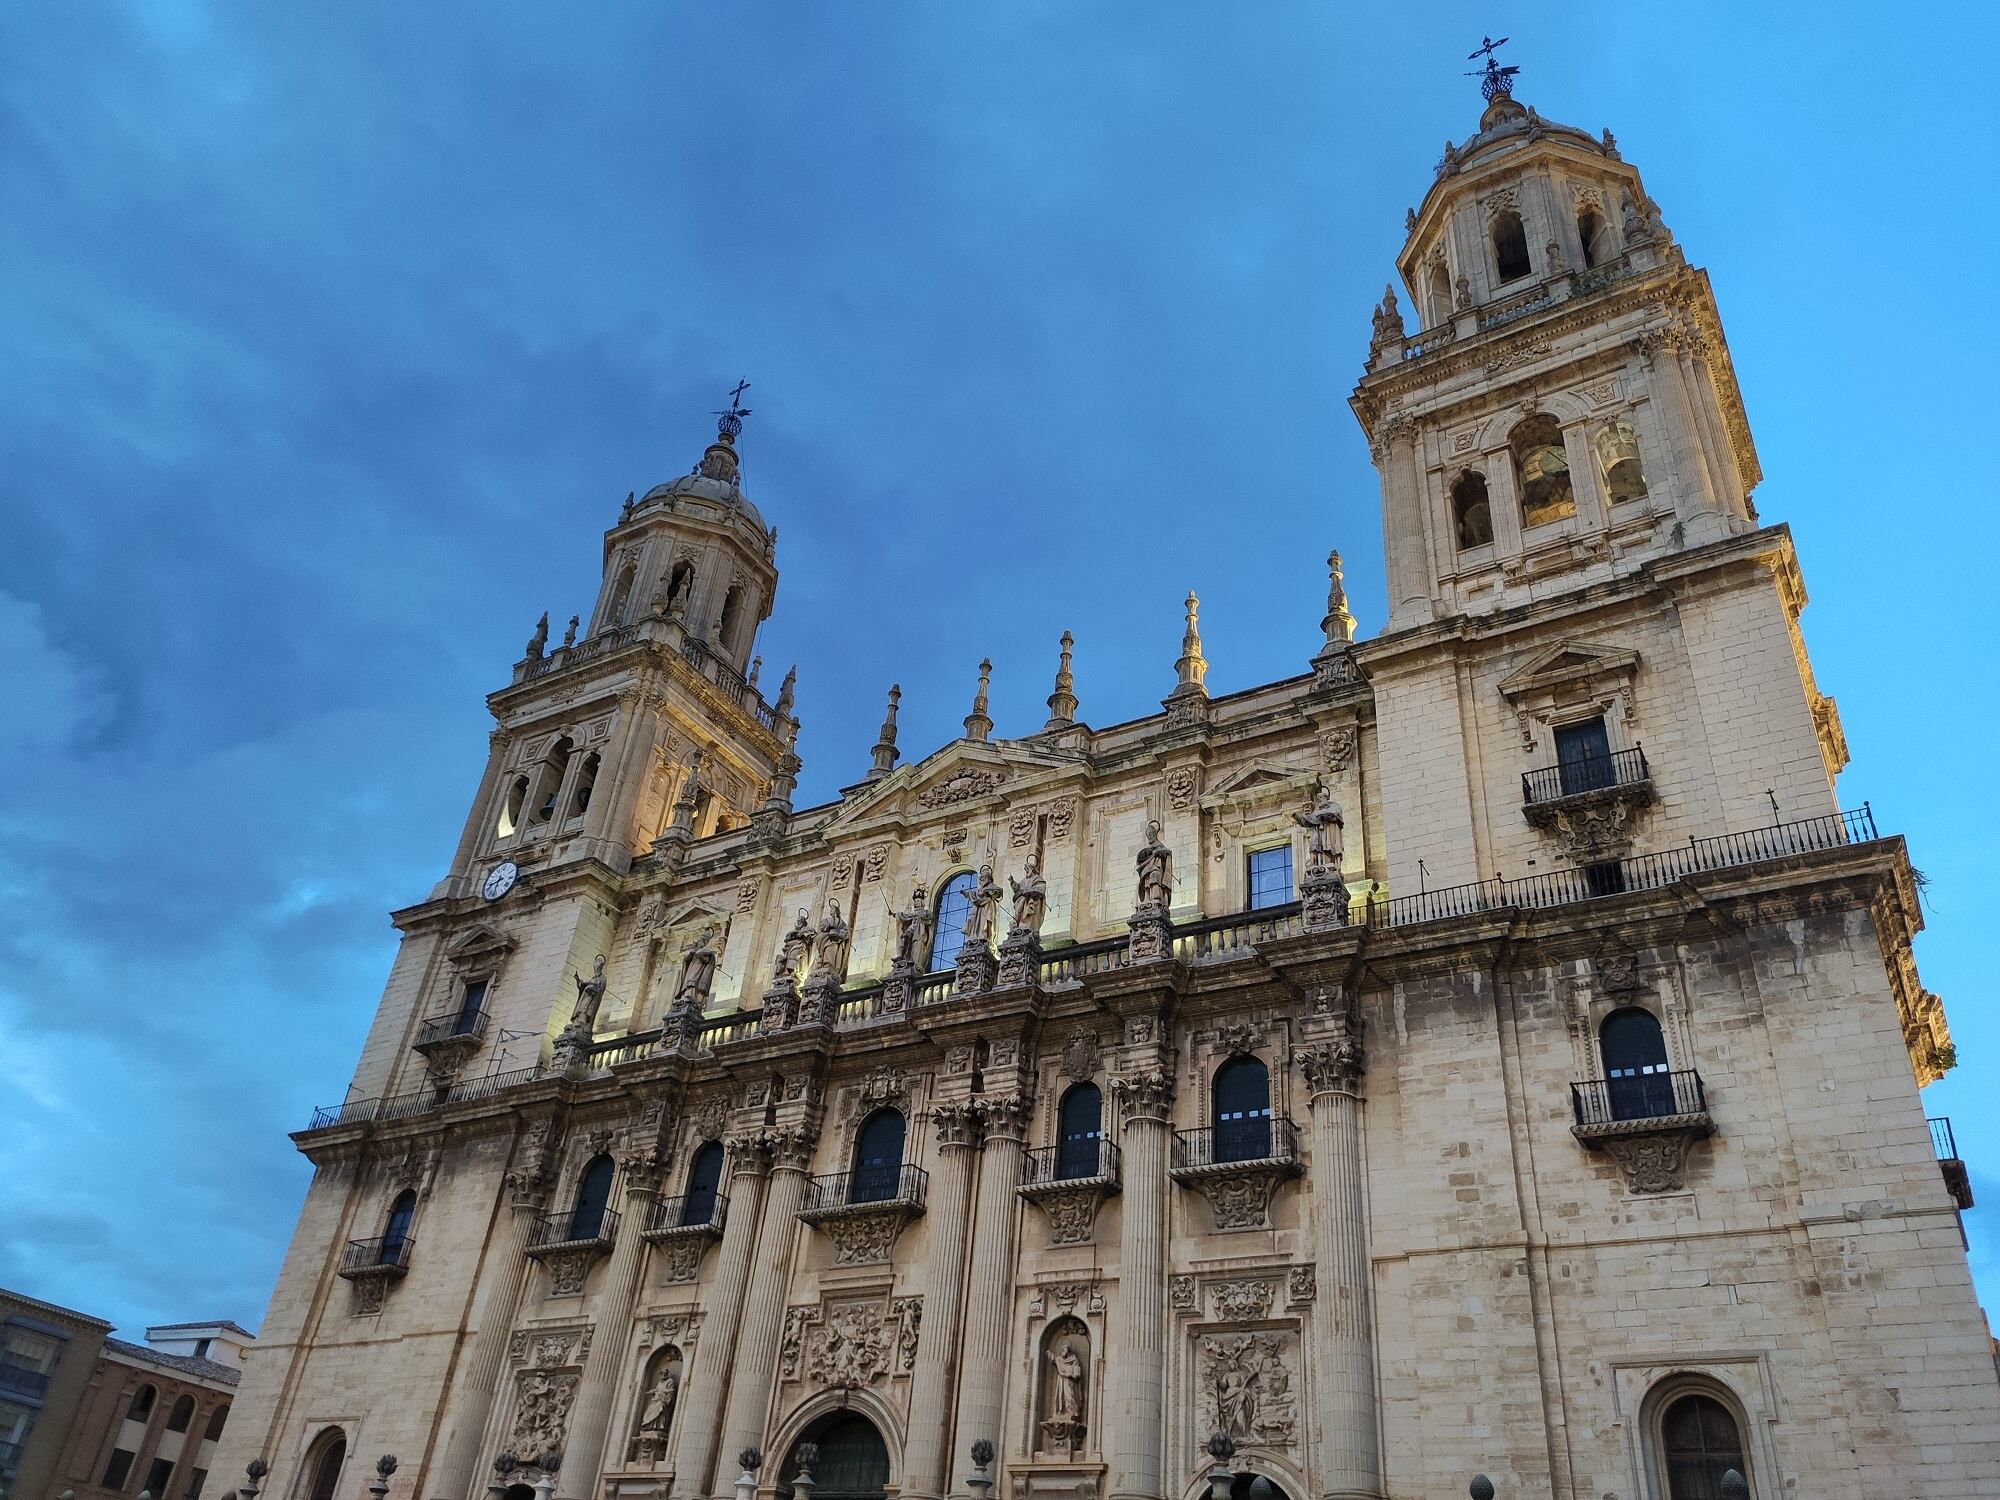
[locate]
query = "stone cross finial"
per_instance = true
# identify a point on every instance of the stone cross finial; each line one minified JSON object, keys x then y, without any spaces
{"x":1062,"y":702}
{"x":1192,"y":667}
{"x":978,"y":723}
{"x":885,"y":751}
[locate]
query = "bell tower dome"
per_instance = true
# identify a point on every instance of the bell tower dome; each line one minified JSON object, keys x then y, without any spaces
{"x":1567,"y":407}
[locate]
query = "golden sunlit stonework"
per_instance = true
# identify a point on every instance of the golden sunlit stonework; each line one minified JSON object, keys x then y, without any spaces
{"x":1094,"y":1093}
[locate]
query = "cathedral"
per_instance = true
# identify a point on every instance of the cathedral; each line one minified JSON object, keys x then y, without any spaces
{"x":1187,"y":1108}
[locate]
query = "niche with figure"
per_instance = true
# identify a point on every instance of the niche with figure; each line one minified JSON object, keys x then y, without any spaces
{"x":1064,"y":1410}
{"x":653,"y":1414}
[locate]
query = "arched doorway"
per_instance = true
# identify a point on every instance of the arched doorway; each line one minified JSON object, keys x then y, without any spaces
{"x":1251,"y":1487}
{"x":853,"y":1461}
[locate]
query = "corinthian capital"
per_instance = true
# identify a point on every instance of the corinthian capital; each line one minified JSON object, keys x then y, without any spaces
{"x":792,"y":1148}
{"x":1333,"y":1067}
{"x":955,"y":1125}
{"x":1007,"y":1118}
{"x":1145,"y":1095}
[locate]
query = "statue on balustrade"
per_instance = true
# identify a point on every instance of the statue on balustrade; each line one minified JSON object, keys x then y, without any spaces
{"x":1031,"y":897}
{"x":913,"y":932}
{"x":1156,"y":870}
{"x":697,"y":972}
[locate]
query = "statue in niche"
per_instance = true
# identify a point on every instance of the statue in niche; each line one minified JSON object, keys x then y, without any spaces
{"x":793,"y":948}
{"x":589,"y":997}
{"x":656,"y":1407}
{"x":979,"y":914}
{"x":697,"y":972}
{"x":834,"y":937}
{"x":1156,"y":870}
{"x":1065,"y":1386}
{"x":913,"y":931}
{"x":1324,"y":824}
{"x":1031,"y":897}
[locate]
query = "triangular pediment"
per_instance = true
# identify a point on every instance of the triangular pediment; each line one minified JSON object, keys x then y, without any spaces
{"x":1567,"y":663}
{"x":479,"y":940}
{"x":1257,"y":781}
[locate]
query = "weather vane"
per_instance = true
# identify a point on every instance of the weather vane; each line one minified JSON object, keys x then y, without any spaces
{"x":731,"y":421}
{"x":1494,"y":80}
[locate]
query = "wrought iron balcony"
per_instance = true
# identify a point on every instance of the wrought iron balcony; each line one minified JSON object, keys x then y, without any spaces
{"x":1072,"y":1164}
{"x":572,"y":1229}
{"x":455,"y":1028}
{"x":1644,"y":1123}
{"x":383,"y":1256}
{"x":19,"y":1380}
{"x":1577,"y":778}
{"x":689,"y":1214}
{"x":1957,"y":1181}
{"x":865,"y":1187}
{"x":1234,"y":1143}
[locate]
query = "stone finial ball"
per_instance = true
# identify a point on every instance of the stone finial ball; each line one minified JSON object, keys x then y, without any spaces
{"x":1482,"y":1487}
{"x":982,"y":1451}
{"x":1221,"y":1446}
{"x":751,"y":1460}
{"x":1734,"y":1486}
{"x":256,"y":1469}
{"x":386,"y":1465}
{"x":506,"y":1464}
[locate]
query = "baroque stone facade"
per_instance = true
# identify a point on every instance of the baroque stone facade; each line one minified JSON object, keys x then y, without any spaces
{"x":1005,"y":1099}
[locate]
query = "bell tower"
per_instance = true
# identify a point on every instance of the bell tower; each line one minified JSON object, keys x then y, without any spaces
{"x":1567,"y":408}
{"x":1580,"y":591}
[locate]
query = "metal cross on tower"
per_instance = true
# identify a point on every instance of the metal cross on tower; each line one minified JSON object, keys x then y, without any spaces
{"x":731,"y":421}
{"x":1494,"y":80}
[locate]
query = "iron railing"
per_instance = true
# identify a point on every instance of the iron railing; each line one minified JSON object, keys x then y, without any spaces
{"x":384,"y":1253}
{"x":1270,"y":1138}
{"x":1593,"y":773}
{"x":1072,"y":1161}
{"x":709,"y":1210}
{"x":22,"y":1381}
{"x":1649,"y":1096}
{"x":571,"y":1226}
{"x":1943,"y":1143}
{"x":903,"y":1184}
{"x":451,"y":1027}
{"x":1642,"y":872}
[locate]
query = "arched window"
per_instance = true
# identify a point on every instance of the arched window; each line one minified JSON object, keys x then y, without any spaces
{"x":1636,"y":1078}
{"x":510,"y":809}
{"x":396,"y":1233}
{"x":621,"y":596}
{"x":1471,"y":513}
{"x":1437,"y":295}
{"x":1541,"y":471}
{"x":1510,"y":246}
{"x":1242,"y":1098}
{"x":704,"y":1178}
{"x":142,"y":1404}
{"x":680,"y":583}
{"x":216,"y":1419}
{"x":181,"y":1418}
{"x":324,"y":1464}
{"x":1080,"y":1123}
{"x":1699,"y":1443}
{"x":586,"y":781}
{"x":593,"y":1196}
{"x":732,"y":610}
{"x":954,"y":902}
{"x":1595,"y":238}
{"x":1618,"y":459}
{"x":852,"y":1462}
{"x":553,"y":765}
{"x":878,"y":1158}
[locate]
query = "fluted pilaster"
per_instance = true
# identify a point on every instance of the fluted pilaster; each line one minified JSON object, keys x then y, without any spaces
{"x":756,"y":1351}
{"x":494,"y":1308}
{"x":982,"y":1372}
{"x":700,"y":1418}
{"x":1137,"y":1361}
{"x":1350,"y":1459}
{"x":591,"y":1411}
{"x":927,"y":1460}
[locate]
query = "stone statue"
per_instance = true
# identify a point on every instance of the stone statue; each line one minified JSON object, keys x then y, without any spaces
{"x":792,"y":949}
{"x":913,"y":932}
{"x":569,"y":635}
{"x":1388,"y":320}
{"x":589,"y":997}
{"x":697,"y":972}
{"x":1031,"y":897}
{"x":834,"y":937}
{"x":538,"y":642}
{"x":658,"y":1411}
{"x":1156,"y":870}
{"x":1065,"y":1383}
{"x":1464,"y":294}
{"x":1325,"y":825}
{"x":979,"y":915}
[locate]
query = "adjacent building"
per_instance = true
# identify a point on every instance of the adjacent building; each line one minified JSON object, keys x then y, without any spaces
{"x":1495,"y":1048}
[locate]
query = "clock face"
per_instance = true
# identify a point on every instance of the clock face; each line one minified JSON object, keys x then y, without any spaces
{"x":500,"y":880}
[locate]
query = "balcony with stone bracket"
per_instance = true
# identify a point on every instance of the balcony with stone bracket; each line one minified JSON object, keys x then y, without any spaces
{"x":569,"y":1242}
{"x":1236,"y":1165}
{"x":1646,"y":1124}
{"x":1068,"y":1182}
{"x":1590,"y":805}
{"x":864,"y":1210}
{"x":684,"y":1227}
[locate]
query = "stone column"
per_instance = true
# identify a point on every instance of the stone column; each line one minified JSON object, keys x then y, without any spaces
{"x":1694,"y":489}
{"x":756,"y":1352}
{"x":699,"y":1421}
{"x":483,"y":806}
{"x":927,"y":1460}
{"x":1403,"y":522}
{"x":1350,"y":1461}
{"x":603,"y":1367}
{"x":1136,"y":1360}
{"x":982,"y":1372}
{"x":494,"y":1308}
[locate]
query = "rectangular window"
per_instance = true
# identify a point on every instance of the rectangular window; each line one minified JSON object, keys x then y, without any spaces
{"x":1270,"y":876}
{"x":158,"y":1477}
{"x":1583,"y":756}
{"x":469,"y":1006}
{"x":119,"y":1469}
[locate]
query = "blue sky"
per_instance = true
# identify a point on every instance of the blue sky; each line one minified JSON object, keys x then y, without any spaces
{"x":331,"y":338}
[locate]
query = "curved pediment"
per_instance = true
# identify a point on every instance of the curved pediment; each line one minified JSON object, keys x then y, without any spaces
{"x":963,"y":774}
